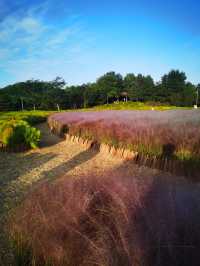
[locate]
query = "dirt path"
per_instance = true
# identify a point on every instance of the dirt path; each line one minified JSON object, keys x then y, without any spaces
{"x":21,"y":172}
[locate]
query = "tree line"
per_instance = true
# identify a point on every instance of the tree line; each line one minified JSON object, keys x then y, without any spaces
{"x":172,"y":89}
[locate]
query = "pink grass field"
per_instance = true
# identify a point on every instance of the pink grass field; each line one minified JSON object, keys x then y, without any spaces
{"x":148,"y":128}
{"x":173,"y":134}
{"x":109,"y":220}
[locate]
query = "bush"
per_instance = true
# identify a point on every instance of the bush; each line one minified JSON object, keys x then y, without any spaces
{"x":15,"y":133}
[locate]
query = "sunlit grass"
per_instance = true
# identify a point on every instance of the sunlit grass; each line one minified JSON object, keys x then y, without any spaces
{"x":24,"y":115}
{"x":138,"y":106}
{"x":171,"y":134}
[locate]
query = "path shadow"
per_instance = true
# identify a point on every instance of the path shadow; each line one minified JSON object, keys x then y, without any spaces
{"x":12,"y":189}
{"x":13,"y":167}
{"x":47,"y":137}
{"x":67,"y":166}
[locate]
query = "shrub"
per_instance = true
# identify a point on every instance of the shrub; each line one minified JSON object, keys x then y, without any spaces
{"x":18,"y":132}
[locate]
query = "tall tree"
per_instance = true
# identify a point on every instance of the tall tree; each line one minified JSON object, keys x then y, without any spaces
{"x":174,"y":85}
{"x":110,"y":86}
{"x":130,"y":86}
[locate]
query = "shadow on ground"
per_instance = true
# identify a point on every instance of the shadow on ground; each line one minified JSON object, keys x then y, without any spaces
{"x":69,"y":165}
{"x":15,"y":165}
{"x":12,"y":167}
{"x":47,"y":138}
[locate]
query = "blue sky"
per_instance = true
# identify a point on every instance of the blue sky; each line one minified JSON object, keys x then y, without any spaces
{"x":81,"y":40}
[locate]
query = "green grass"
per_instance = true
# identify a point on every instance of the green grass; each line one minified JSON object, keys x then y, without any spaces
{"x":33,"y":117}
{"x":137,"y":106}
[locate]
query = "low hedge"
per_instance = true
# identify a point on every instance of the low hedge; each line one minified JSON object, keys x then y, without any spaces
{"x":18,"y":132}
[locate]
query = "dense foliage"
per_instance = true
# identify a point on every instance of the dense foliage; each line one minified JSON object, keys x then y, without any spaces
{"x":18,"y":132}
{"x":173,"y":89}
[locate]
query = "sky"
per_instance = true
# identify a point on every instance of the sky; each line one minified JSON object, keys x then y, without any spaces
{"x":80,"y":40}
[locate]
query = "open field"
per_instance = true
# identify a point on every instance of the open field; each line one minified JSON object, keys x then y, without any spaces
{"x":62,"y":199}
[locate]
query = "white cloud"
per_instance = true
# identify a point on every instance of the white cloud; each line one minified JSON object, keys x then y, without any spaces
{"x":12,"y":29}
{"x":32,"y":48}
{"x":30,"y":25}
{"x":59,"y":37}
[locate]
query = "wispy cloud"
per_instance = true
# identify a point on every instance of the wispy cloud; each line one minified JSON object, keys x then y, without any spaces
{"x":33,"y":47}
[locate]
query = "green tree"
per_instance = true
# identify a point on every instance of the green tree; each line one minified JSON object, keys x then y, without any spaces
{"x":4,"y":102}
{"x":174,"y":85}
{"x":110,"y":86}
{"x":130,"y":86}
{"x":139,"y":88}
{"x":188,"y":95}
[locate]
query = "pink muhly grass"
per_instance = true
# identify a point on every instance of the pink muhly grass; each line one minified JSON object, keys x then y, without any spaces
{"x":145,"y":131}
{"x":111,"y":220}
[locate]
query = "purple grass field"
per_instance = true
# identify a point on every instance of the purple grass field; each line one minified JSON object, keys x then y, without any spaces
{"x":143,"y":131}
